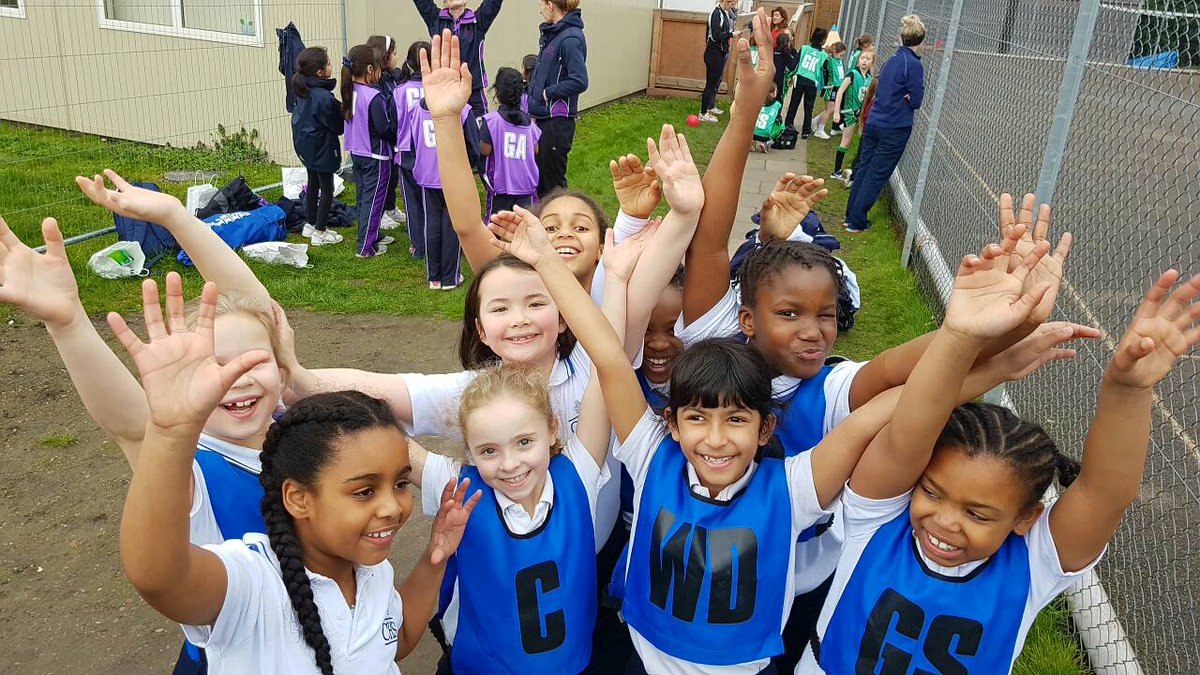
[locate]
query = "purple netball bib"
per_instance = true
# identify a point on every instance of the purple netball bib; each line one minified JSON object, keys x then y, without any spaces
{"x":512,"y":167}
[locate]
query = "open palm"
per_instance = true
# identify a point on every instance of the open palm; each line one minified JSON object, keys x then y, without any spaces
{"x":672,"y":161}
{"x":1161,"y":332}
{"x":451,"y":520}
{"x":637,"y":187}
{"x":1050,"y":267}
{"x":182,"y":379}
{"x":445,"y":78}
{"x":621,"y":259}
{"x":521,"y":234}
{"x":789,"y":203}
{"x":988,"y":299}
{"x":129,"y":200}
{"x":41,"y":284}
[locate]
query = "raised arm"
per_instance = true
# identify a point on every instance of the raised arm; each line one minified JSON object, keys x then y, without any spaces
{"x":447,"y":82}
{"x":672,"y":161}
{"x":1114,"y":455}
{"x":43,"y":286}
{"x":892,"y":366}
{"x":303,"y":382}
{"x":487,"y":13}
{"x":709,"y":248}
{"x":988,"y":300}
{"x":620,"y":260}
{"x":522,"y":235}
{"x":419,"y":592}
{"x":214,"y":258}
{"x":788,"y":204}
{"x":183,"y":384}
{"x":429,"y":14}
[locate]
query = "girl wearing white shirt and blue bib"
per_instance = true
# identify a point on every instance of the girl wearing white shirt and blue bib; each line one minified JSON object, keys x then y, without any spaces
{"x":949,"y":551}
{"x":315,"y":594}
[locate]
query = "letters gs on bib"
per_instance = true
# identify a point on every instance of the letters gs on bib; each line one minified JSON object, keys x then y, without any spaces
{"x":895,"y":630}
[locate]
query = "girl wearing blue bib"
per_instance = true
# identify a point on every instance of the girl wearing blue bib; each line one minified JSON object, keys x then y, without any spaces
{"x":950,"y":553}
{"x":707,"y":579}
{"x":225,"y":493}
{"x":522,"y":594}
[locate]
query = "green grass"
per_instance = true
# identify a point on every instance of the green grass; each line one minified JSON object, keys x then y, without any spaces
{"x":1051,"y":647}
{"x":63,"y":441}
{"x":39,"y":165}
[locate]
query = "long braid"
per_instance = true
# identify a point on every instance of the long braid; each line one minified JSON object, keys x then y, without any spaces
{"x":296,"y":448}
{"x":295,"y":578}
{"x":986,"y":430}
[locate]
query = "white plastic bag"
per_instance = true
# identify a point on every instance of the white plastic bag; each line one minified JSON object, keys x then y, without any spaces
{"x":278,"y":253}
{"x":198,"y":196}
{"x":295,"y":180}
{"x":122,"y":259}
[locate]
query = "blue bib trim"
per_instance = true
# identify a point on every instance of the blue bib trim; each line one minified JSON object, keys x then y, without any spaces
{"x":235,"y":494}
{"x":706,"y":580}
{"x":897,"y":616}
{"x":527,"y":603}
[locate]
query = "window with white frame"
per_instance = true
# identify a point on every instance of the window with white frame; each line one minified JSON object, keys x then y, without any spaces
{"x":236,"y":21}
{"x":12,"y":8}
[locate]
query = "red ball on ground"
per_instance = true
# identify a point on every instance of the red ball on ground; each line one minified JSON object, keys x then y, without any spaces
{"x":693,"y":121}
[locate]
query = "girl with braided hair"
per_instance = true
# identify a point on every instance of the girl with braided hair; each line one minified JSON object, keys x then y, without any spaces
{"x":335,"y":477}
{"x":949,"y":551}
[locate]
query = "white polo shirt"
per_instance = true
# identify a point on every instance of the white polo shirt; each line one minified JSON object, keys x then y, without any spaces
{"x":636,"y":454}
{"x":257,"y":630}
{"x":439,"y":470}
{"x":859,"y":518}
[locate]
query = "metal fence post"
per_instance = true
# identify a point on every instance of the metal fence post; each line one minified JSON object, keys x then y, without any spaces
{"x":1068,"y":94}
{"x":935,"y":115}
{"x":879,"y":24}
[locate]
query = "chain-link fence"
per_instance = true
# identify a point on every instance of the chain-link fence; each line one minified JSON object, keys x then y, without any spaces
{"x":1096,"y":107}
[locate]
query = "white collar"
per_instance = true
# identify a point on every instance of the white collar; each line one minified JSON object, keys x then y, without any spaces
{"x":246,"y":458}
{"x":729,"y":492}
{"x":544,"y":502}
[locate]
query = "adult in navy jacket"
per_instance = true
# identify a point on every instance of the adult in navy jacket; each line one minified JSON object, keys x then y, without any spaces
{"x":471,"y":27}
{"x":558,"y":79}
{"x":900,"y":91}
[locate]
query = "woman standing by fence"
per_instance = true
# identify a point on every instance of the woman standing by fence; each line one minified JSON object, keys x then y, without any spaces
{"x":899,"y":92}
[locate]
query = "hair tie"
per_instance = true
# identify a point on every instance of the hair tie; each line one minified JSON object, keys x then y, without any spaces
{"x":387,"y":43}
{"x":347,"y":62}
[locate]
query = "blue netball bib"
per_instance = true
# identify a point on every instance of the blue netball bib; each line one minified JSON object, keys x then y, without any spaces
{"x":706,"y":580}
{"x":896,"y":617}
{"x":527,"y":603}
{"x":801,"y":415}
{"x":235,"y":494}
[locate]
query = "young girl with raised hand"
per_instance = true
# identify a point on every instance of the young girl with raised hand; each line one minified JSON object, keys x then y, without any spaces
{"x":944,"y":525}
{"x":508,"y":138}
{"x":708,"y":485}
{"x":316,"y":125}
{"x":224,"y":493}
{"x":528,"y":557}
{"x":573,"y":218}
{"x":335,"y":480}
{"x":370,"y":138}
{"x":407,"y":96}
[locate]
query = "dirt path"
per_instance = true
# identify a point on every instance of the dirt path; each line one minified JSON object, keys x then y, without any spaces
{"x":65,"y":606}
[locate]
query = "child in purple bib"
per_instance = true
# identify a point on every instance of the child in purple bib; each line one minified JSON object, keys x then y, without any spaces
{"x":509,"y":140}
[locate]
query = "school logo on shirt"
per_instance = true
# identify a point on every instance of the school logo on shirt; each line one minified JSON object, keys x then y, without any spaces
{"x":681,"y":555}
{"x":390,"y":631}
{"x":515,"y":146}
{"x":897,"y":625}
